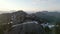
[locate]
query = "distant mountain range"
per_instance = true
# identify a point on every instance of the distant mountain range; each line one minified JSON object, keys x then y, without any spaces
{"x":7,"y":11}
{"x":4,"y":12}
{"x":47,"y":16}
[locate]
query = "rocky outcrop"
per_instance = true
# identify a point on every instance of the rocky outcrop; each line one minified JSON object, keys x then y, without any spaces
{"x":29,"y":28}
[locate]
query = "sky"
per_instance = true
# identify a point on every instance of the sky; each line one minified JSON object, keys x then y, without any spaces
{"x":29,"y":5}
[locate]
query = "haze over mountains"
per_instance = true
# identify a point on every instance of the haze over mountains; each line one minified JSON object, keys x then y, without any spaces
{"x":25,"y":11}
{"x":4,"y":12}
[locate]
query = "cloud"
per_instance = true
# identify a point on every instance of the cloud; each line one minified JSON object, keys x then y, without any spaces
{"x":29,"y":4}
{"x":43,"y":1}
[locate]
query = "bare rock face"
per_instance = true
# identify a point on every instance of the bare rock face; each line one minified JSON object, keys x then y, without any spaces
{"x":29,"y":28}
